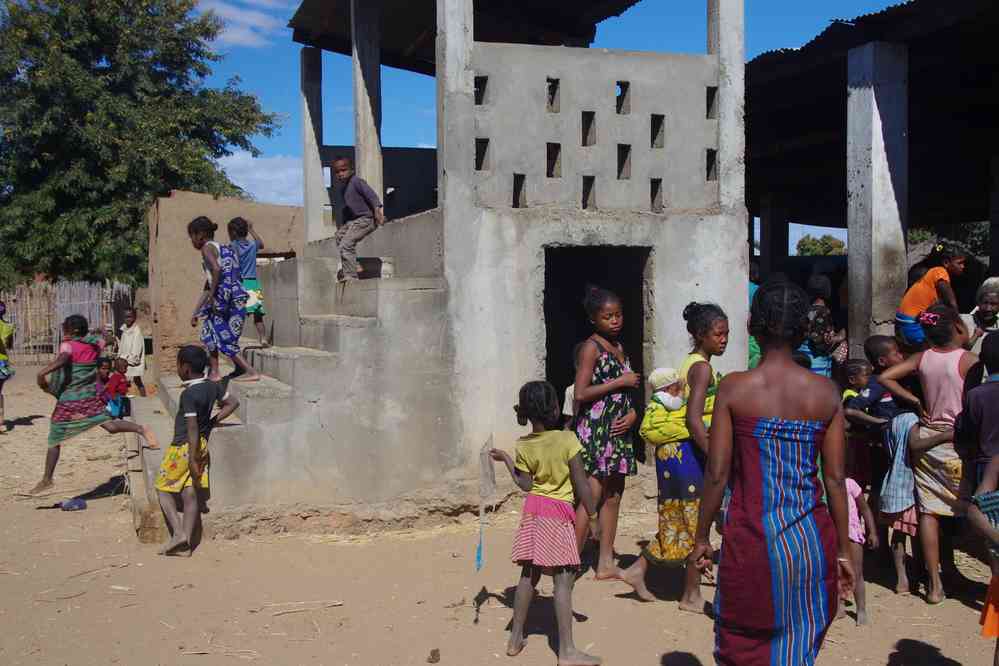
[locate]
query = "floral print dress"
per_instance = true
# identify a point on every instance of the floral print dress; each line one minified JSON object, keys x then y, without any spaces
{"x":603,"y":454}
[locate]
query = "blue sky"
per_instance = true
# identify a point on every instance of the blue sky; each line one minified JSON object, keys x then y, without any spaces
{"x":258,"y":49}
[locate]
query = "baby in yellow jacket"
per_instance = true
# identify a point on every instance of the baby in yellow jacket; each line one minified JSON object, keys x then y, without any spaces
{"x":665,"y":415}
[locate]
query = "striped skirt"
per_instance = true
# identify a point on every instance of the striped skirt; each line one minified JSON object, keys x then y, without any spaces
{"x":547,"y":534}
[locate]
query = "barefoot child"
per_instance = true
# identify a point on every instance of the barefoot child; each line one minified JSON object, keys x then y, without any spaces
{"x":550,"y":467}
{"x":132,"y":350}
{"x":861,"y":531}
{"x":183,"y":475}
{"x":6,"y":371}
{"x":72,"y":379}
{"x":246,"y":252}
{"x":222,"y":303}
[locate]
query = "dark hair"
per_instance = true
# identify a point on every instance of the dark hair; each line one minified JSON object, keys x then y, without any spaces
{"x":944,"y":251}
{"x":779,"y":314}
{"x":343,"y":158}
{"x":194,"y":356}
{"x":76,"y":324}
{"x":596,"y":298}
{"x":856,"y":367}
{"x":917,"y":272}
{"x":819,"y":286}
{"x":238,"y":227}
{"x":700,"y":317}
{"x":202,"y":225}
{"x":801,"y":358}
{"x":754,"y":271}
{"x":877,"y":346}
{"x":104,"y":360}
{"x":990,"y":352}
{"x":538,"y":402}
{"x":938,"y":323}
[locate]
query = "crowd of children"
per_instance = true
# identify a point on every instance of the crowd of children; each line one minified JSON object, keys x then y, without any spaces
{"x":921,"y":432}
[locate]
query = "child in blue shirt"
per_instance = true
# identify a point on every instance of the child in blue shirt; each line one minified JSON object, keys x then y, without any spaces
{"x":246,"y":252}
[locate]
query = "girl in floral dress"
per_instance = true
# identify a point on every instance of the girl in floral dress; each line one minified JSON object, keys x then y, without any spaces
{"x":605,"y":419}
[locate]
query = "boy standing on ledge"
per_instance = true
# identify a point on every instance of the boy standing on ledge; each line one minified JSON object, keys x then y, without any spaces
{"x":362,"y":213}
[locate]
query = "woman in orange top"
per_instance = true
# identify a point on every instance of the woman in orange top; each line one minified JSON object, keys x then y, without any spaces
{"x":945,"y":263}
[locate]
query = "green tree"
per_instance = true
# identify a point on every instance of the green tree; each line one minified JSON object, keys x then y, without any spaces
{"x":810,"y":246}
{"x":103,"y":107}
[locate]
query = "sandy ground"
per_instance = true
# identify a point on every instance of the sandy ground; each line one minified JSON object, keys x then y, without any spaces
{"x":77,"y":588}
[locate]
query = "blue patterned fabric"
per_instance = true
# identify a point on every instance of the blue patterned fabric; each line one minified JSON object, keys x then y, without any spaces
{"x":909,"y":329}
{"x":225,"y":312}
{"x":898,"y":492}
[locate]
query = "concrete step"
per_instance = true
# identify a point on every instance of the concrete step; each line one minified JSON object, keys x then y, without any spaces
{"x":334,"y":333}
{"x":302,"y":368}
{"x":266,"y":401}
{"x":362,"y":298}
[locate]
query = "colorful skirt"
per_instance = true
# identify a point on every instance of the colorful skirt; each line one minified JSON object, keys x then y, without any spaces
{"x":175,"y":470}
{"x":547,"y":534}
{"x":680,"y":473}
{"x":6,"y":371}
{"x":221,"y":330}
{"x":990,"y":611}
{"x":938,"y":478}
{"x":255,"y":300}
{"x":906,"y":522}
{"x":909,"y":330}
{"x":78,"y":408}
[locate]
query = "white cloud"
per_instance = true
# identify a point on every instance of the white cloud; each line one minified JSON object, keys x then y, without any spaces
{"x":275,"y":180}
{"x":249,"y":27}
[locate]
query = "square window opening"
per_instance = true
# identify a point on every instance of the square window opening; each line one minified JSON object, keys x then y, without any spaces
{"x":623,"y":161}
{"x":589,"y":128}
{"x":554,"y":166}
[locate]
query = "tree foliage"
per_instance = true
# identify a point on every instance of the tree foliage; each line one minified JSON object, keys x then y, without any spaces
{"x":810,"y":246}
{"x":103,"y":107}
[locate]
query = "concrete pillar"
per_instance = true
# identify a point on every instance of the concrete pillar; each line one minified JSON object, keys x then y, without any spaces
{"x":367,"y":45}
{"x":994,"y":220}
{"x":455,"y":102}
{"x":773,"y":237}
{"x":877,"y":186}
{"x":315,"y":195}
{"x":726,"y":40}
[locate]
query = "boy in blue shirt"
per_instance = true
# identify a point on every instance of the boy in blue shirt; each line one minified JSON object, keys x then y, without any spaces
{"x":246,"y":251}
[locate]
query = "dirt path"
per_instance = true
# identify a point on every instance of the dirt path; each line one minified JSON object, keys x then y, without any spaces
{"x":76,"y":588}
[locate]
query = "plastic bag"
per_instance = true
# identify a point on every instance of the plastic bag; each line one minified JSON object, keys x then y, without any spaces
{"x":487,"y":491}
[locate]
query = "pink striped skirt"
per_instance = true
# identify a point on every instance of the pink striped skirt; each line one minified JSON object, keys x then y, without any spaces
{"x":547,"y":534}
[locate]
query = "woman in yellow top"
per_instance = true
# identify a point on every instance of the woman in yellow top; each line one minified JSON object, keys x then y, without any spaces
{"x":6,"y":371}
{"x":681,"y":441}
{"x":944,"y":263}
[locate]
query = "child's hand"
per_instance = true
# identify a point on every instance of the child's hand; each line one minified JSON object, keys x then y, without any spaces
{"x":497,"y":454}
{"x":629,"y":380}
{"x":872,"y":539}
{"x":702,"y":557}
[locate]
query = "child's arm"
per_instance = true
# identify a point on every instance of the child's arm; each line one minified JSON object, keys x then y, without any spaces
{"x":890,"y":380}
{"x":716,"y":475}
{"x":920,"y":444}
{"x":990,"y":481}
{"x":229,"y":405}
{"x":580,"y":486}
{"x":523,"y":480}
{"x":193,"y":445}
{"x":868,"y":516}
{"x":60,"y":361}
{"x":857,"y":417}
{"x":211,"y":258}
{"x":946,"y":294}
{"x":585,"y":390}
{"x":256,"y":238}
{"x":699,"y":378}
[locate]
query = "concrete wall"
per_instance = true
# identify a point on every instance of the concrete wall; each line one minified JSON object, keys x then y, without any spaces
{"x":176,"y":278}
{"x":410,"y":172}
{"x":279,"y":282}
{"x":516,"y":119}
{"x":497,"y":318}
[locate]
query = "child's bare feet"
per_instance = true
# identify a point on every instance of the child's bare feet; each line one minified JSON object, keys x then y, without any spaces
{"x":150,"y":437}
{"x":42,"y":486}
{"x":697,"y":606}
{"x":174,"y":547}
{"x":902,"y":586}
{"x":861,"y":618}
{"x":636,"y":579}
{"x":515,"y":646}
{"x":604,"y":573}
{"x":577,"y":658}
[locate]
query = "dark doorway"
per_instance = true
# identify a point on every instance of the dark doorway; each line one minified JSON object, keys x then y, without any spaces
{"x":567,"y":272}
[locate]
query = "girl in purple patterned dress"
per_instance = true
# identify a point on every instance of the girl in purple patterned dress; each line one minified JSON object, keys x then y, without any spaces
{"x":606,"y":416}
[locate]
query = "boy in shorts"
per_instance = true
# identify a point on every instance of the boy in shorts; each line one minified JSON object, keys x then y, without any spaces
{"x":183,"y":474}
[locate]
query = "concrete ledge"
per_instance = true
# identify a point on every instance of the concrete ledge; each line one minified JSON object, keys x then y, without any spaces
{"x":143,"y":465}
{"x":266,"y":401}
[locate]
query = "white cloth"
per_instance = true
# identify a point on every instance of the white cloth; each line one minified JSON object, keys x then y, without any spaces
{"x":969,"y":321}
{"x":569,"y":404}
{"x":132,"y":348}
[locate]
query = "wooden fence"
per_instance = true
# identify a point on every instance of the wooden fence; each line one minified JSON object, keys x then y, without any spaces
{"x":37,"y":311}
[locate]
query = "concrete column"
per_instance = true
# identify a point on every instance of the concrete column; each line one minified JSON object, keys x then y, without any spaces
{"x":773,"y":237}
{"x":316,"y":197}
{"x":726,"y":40}
{"x":455,"y":102}
{"x":367,"y":45}
{"x":994,"y":220}
{"x":877,"y":186}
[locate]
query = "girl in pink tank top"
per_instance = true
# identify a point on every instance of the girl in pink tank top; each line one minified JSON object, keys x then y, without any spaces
{"x":936,"y":465}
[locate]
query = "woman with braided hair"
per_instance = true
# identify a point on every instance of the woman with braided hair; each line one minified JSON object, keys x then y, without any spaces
{"x":785,"y":557}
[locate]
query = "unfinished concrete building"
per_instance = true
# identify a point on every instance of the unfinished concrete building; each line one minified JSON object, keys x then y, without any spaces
{"x":881,"y":122}
{"x":556,"y":165}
